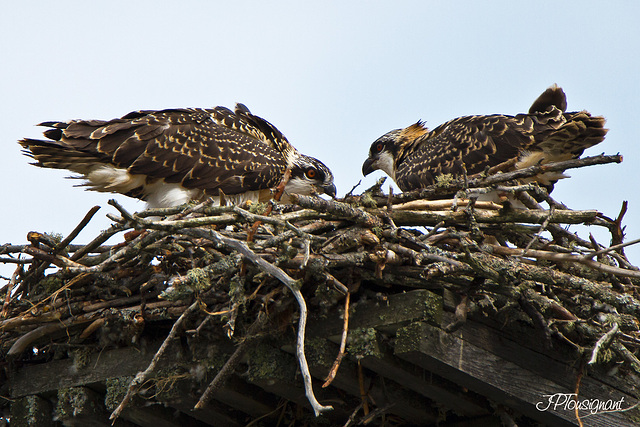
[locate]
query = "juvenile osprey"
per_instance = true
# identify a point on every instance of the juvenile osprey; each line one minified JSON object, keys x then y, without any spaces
{"x":414,"y":156}
{"x":172,"y":156}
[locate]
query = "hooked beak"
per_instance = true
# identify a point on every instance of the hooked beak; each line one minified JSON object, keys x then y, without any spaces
{"x":367,"y":166}
{"x":330,"y":190}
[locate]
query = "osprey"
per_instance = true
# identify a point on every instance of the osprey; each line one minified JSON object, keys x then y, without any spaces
{"x":169,"y":157}
{"x":414,"y":156}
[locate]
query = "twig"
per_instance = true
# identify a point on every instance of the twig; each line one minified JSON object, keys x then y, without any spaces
{"x":268,"y":220}
{"x":95,"y":243}
{"x":434,"y":190}
{"x":577,"y":393}
{"x":57,"y":260}
{"x":626,"y":355}
{"x":590,"y":255}
{"x":10,"y":285}
{"x":141,"y":377}
{"x":543,"y":227}
{"x":363,"y":393}
{"x":350,"y":193}
{"x":230,"y":364}
{"x":293,"y":286}
{"x":433,"y":231}
{"x":376,"y":413}
{"x":133,"y":248}
{"x":74,"y":233}
{"x":552,"y":256}
{"x":548,"y":167}
{"x":416,"y":218}
{"x":343,"y":344}
{"x":603,"y":342}
{"x":29,"y":338}
{"x":437,"y":205}
{"x":352,"y":417}
{"x":4,"y":260}
{"x":337,"y":208}
{"x":460,"y":315}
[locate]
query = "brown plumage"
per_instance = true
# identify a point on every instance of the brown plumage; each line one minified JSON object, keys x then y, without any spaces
{"x":414,"y":157}
{"x":192,"y":152}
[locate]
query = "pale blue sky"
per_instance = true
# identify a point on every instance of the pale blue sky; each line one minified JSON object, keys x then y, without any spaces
{"x":332,"y":76}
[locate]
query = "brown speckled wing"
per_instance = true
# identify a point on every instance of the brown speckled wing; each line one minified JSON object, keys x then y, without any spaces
{"x":477,"y":142}
{"x":200,"y":149}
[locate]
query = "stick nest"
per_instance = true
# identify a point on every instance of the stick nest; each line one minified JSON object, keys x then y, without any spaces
{"x":191,"y":270}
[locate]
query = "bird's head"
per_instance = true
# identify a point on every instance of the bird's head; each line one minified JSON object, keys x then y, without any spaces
{"x":382,"y":154}
{"x":308,"y":176}
{"x":386,"y":150}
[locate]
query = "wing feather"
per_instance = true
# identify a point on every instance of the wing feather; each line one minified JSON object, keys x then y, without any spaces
{"x":470,"y":144}
{"x":208,"y":150}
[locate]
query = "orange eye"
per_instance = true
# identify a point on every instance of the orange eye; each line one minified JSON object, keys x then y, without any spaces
{"x":379,"y":147}
{"x":311,"y":173}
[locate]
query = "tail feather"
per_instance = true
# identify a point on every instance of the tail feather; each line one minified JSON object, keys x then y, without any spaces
{"x":579,"y":131}
{"x":564,"y":134}
{"x":58,"y":155}
{"x":554,"y":96}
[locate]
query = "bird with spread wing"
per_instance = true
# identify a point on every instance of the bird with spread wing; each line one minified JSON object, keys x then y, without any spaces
{"x":414,"y":157}
{"x":169,"y":157}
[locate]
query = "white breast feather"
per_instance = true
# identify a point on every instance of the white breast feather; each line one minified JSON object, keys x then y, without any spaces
{"x":109,"y":178}
{"x":158,"y":194}
{"x":163,"y":195}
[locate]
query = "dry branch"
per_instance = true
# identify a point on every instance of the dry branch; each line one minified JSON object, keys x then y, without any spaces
{"x":143,"y":376}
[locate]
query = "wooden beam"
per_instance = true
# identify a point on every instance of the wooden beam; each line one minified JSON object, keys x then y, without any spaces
{"x":65,"y":373}
{"x":32,"y":411}
{"x":80,"y":406}
{"x":490,"y":375}
{"x":407,"y":404}
{"x":419,"y":380}
{"x":386,"y":315}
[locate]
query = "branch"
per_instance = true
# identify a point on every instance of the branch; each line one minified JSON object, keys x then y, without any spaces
{"x":544,"y":168}
{"x":553,"y":256}
{"x":142,"y":377}
{"x":603,"y":342}
{"x":417,"y":218}
{"x":436,"y":189}
{"x":343,"y":343}
{"x":339,"y":209}
{"x":74,"y":233}
{"x":29,"y":338}
{"x":294,"y":287}
{"x":231,"y":363}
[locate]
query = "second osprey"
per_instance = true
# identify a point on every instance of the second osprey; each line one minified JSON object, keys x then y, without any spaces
{"x":414,"y":156}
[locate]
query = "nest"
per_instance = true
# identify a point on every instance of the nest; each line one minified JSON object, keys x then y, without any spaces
{"x":199,"y":276}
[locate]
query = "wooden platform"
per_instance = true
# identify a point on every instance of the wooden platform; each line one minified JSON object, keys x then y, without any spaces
{"x":418,"y":373}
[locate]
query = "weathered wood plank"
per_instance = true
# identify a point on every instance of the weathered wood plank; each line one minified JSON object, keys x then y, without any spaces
{"x":209,"y":415}
{"x":80,"y":406}
{"x":31,"y":411}
{"x":525,"y":346}
{"x":384,"y":315}
{"x":561,"y":369}
{"x":242,"y":396}
{"x":419,"y":380}
{"x":405,"y":403}
{"x":65,"y":373}
{"x":498,"y":379}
